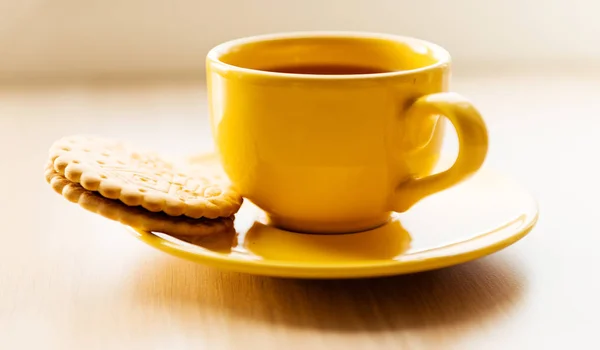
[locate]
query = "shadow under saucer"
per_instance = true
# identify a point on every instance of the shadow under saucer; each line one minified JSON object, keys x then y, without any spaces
{"x":467,"y":294}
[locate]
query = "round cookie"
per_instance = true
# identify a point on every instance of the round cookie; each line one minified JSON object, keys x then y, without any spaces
{"x":136,"y":217}
{"x":117,"y":171}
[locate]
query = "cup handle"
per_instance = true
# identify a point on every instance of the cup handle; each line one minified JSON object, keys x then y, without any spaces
{"x":472,"y":139}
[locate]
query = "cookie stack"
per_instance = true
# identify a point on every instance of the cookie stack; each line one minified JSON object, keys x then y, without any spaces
{"x":141,"y":189}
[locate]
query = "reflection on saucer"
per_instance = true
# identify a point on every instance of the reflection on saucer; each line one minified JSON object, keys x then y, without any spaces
{"x":382,"y":243}
{"x":258,"y":241}
{"x":221,"y":243}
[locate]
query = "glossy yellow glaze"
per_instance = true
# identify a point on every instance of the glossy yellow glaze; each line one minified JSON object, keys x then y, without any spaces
{"x":337,"y":153}
{"x":481,"y":215}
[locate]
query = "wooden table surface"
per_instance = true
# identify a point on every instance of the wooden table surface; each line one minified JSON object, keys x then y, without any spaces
{"x":73,"y":280}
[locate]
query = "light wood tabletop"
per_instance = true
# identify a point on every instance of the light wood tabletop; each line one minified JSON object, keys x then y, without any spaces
{"x":72,"y":280}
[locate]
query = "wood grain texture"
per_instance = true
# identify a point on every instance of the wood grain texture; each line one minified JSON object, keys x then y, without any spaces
{"x":70,"y":279}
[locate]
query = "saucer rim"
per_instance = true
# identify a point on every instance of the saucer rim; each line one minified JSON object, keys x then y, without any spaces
{"x":504,"y":237}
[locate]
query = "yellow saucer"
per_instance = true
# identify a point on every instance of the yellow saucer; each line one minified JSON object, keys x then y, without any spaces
{"x":478,"y":217}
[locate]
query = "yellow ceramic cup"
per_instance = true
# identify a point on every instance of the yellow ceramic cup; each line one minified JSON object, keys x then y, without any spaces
{"x":335,"y":152}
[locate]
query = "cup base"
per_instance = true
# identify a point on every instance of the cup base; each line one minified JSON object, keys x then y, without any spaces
{"x":328,"y":227}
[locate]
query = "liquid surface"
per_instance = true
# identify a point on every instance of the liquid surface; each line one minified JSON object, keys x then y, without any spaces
{"x":326,"y":69}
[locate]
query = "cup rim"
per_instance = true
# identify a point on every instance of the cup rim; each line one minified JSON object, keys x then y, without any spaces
{"x":215,"y":54}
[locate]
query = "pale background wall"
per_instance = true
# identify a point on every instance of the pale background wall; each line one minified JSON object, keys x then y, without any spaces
{"x":91,"y":37}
